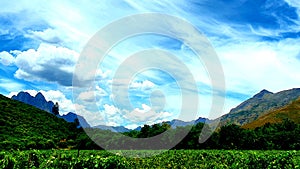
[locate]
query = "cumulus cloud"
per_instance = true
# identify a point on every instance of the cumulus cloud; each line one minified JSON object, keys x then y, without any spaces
{"x":111,"y":110}
{"x":6,"y":58}
{"x":47,"y":63}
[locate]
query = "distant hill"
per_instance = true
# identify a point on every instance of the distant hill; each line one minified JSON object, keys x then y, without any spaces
{"x":290,"y":111}
{"x":119,"y":129}
{"x":179,"y":123}
{"x":25,"y":126}
{"x":71,"y":117}
{"x":258,"y":105}
{"x":174,"y":124}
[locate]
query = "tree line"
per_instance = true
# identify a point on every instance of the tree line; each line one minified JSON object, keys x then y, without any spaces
{"x":280,"y":136}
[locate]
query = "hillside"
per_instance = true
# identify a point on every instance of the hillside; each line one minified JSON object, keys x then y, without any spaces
{"x":40,"y":102}
{"x":258,"y":105}
{"x":291,"y":112}
{"x":25,"y":126}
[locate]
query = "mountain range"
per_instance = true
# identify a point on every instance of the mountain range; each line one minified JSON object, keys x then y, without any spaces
{"x":25,"y":127}
{"x":251,"y":110}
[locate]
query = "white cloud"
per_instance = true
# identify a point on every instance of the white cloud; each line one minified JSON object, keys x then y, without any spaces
{"x":252,"y":66}
{"x":11,"y":85}
{"x":49,"y":35}
{"x":111,"y":110}
{"x":143,"y":85}
{"x":87,"y":96}
{"x":47,"y":63}
{"x":90,"y":96}
{"x":4,"y":31}
{"x":146,"y":115}
{"x":93,"y":118}
{"x":294,"y":3}
{"x":6,"y":58}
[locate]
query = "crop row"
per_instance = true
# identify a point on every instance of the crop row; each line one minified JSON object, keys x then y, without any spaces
{"x":138,"y":159}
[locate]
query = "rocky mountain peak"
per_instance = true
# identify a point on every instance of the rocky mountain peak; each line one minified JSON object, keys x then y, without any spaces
{"x":38,"y":100}
{"x":40,"y":96}
{"x":262,"y":93}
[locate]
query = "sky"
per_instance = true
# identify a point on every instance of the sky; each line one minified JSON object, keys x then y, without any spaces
{"x":41,"y":43}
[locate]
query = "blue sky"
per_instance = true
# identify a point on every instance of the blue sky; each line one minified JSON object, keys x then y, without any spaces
{"x":257,"y":43}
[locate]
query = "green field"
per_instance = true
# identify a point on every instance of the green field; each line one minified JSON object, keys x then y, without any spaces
{"x":169,"y":159}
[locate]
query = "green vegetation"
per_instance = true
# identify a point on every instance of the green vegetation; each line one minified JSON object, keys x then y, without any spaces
{"x":169,"y":159}
{"x":280,"y":136}
{"x":25,"y":127}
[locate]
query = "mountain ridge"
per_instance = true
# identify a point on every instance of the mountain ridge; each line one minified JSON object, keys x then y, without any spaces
{"x":246,"y":112}
{"x":290,"y":112}
{"x":258,"y":105}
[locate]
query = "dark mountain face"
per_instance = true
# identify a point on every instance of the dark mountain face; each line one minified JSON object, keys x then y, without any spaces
{"x":258,"y":105}
{"x":71,"y":117}
{"x":37,"y":101}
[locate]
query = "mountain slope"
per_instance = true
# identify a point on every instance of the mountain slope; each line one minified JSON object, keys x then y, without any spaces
{"x":25,"y":126}
{"x":291,"y":112}
{"x":258,"y":105}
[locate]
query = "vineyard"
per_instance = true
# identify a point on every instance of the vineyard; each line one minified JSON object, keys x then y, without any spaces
{"x":138,"y":159}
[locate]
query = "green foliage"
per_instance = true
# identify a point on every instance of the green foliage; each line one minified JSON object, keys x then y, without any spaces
{"x":169,"y":159}
{"x":25,"y":127}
